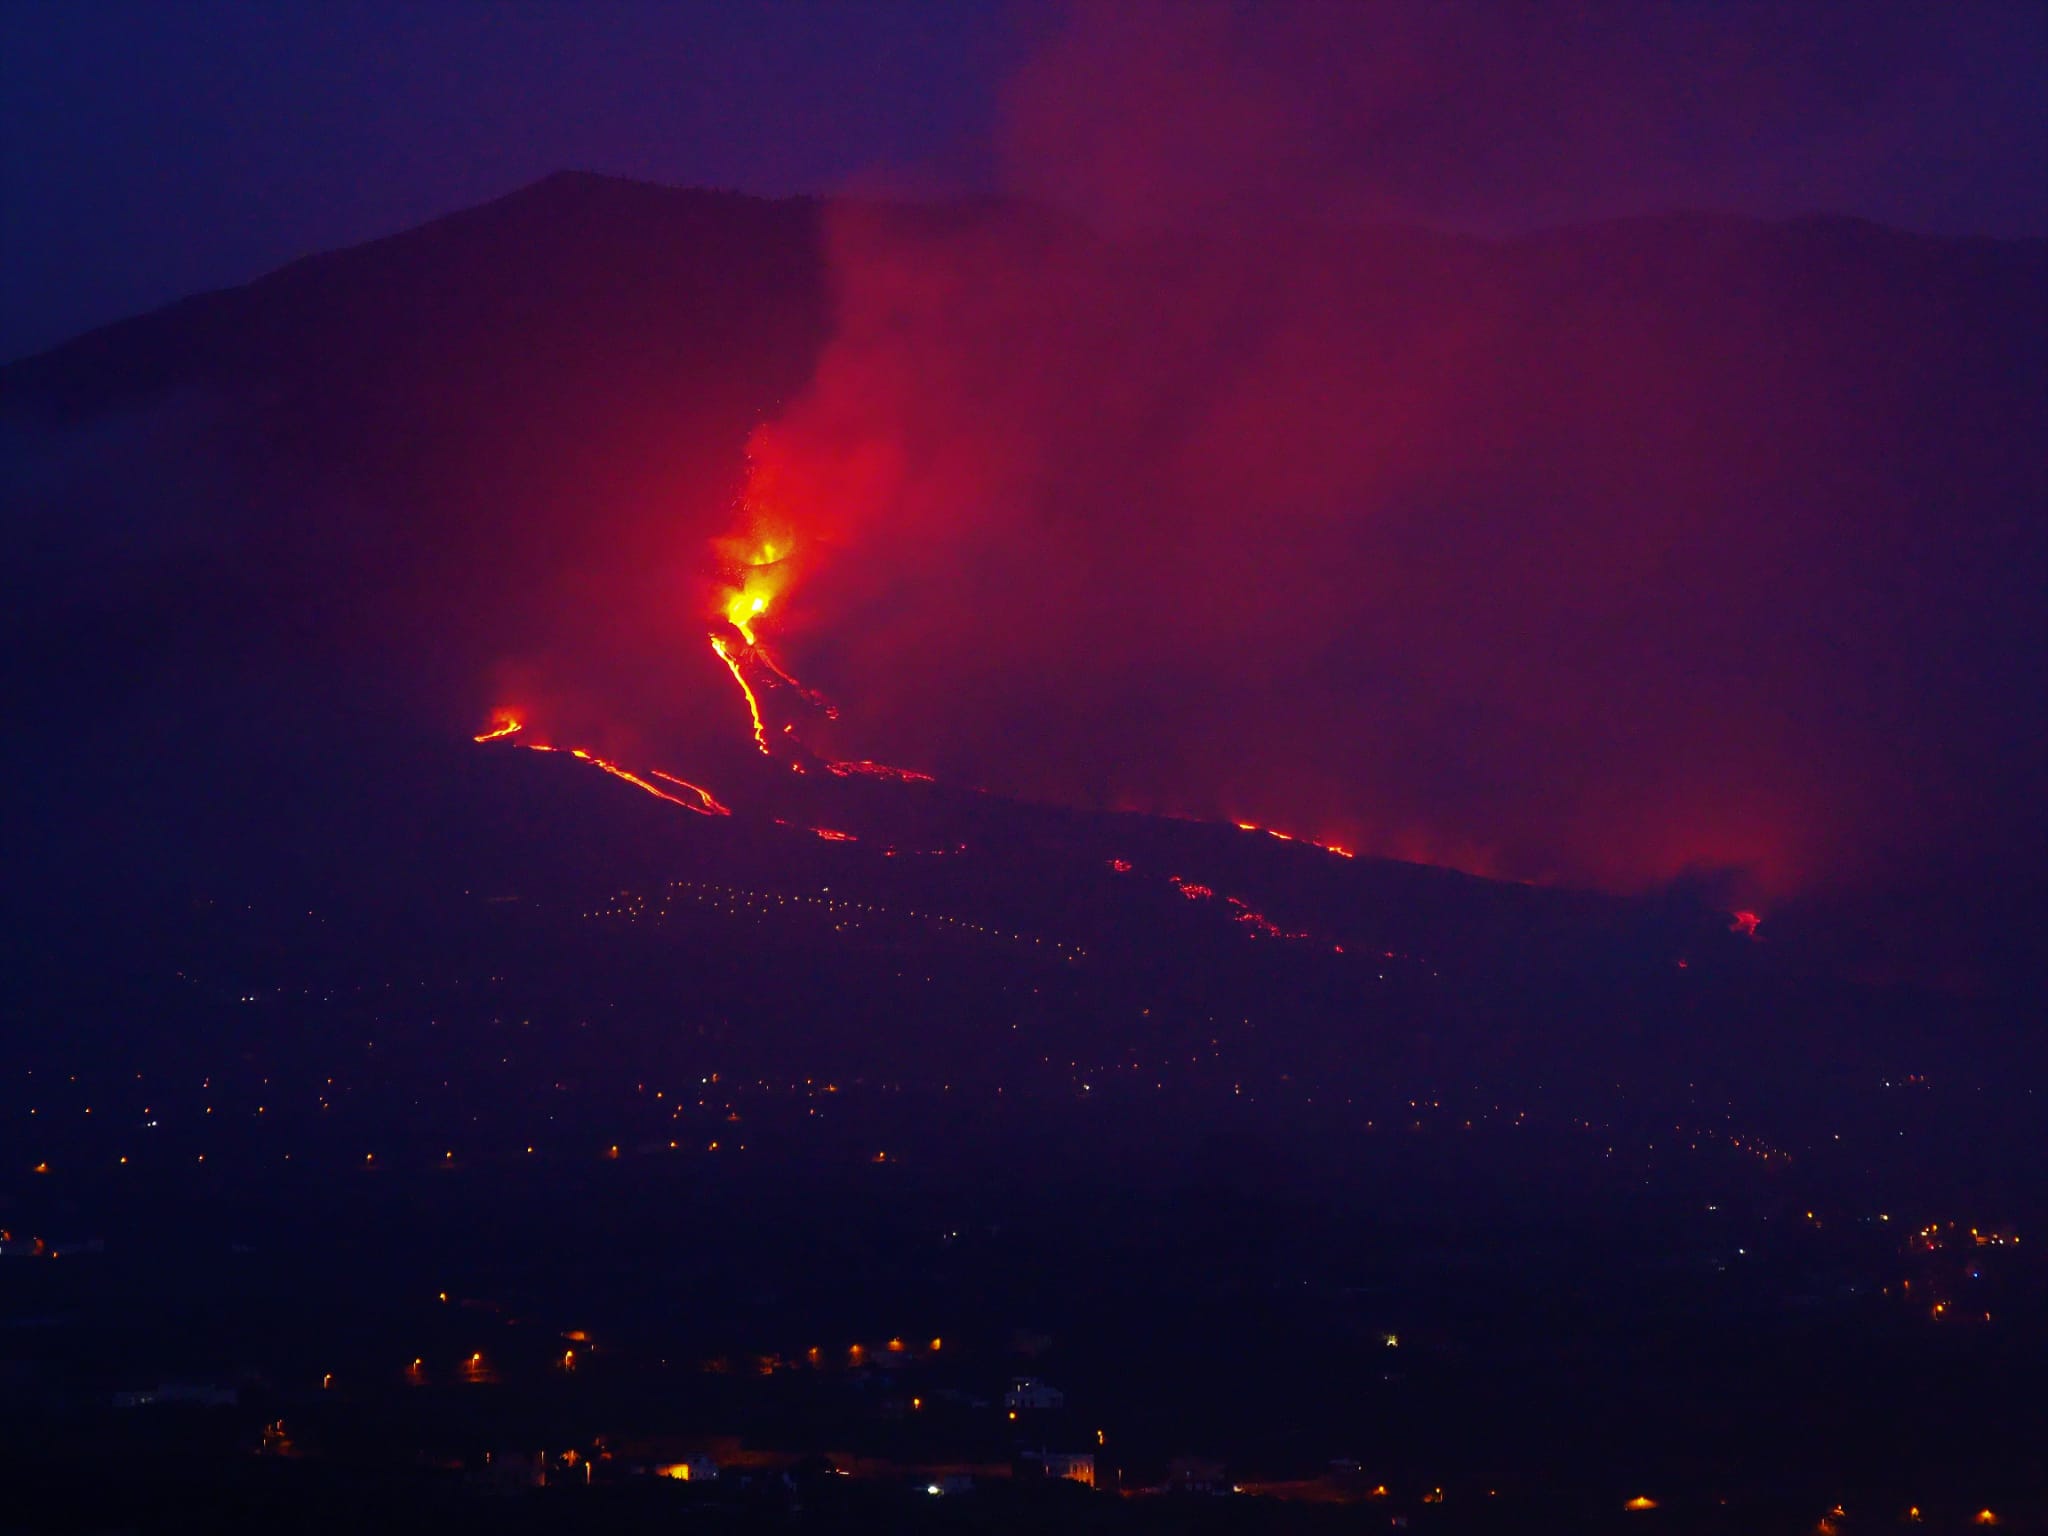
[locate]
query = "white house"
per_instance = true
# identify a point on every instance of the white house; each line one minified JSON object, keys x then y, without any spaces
{"x":1029,"y":1394}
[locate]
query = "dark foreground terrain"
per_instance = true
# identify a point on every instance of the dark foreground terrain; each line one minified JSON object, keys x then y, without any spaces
{"x":791,"y":1166}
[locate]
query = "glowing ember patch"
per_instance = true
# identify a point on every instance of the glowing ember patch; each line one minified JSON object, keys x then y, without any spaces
{"x":1258,"y":922}
{"x":1744,"y":923}
{"x":831,"y":836}
{"x":874,"y":770}
{"x":1640,"y":1502}
{"x":504,"y":727}
{"x":1121,"y":866}
{"x":1190,"y":889}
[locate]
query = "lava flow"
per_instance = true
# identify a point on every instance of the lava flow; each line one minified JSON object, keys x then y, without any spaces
{"x":1289,"y":837}
{"x":810,"y":696}
{"x":759,"y":573}
{"x":706,"y":806}
{"x":706,"y":803}
{"x":1242,"y":911}
{"x":753,"y":705}
{"x":709,"y":806}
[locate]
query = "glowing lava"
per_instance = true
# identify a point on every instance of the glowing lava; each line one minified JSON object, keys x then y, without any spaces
{"x":732,"y":665}
{"x":710,"y":805}
{"x":1258,"y":922}
{"x":741,"y":612}
{"x":706,"y":804}
{"x":1289,"y":837}
{"x":1242,"y":911}
{"x":760,"y":573}
{"x":874,"y":770}
{"x":634,"y":779}
{"x":810,"y":696}
{"x":504,"y":726}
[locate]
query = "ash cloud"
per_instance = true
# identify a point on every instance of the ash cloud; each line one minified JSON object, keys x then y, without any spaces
{"x":1672,"y":545}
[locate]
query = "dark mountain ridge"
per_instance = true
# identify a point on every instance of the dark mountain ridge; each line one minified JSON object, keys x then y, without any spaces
{"x":285,"y":533}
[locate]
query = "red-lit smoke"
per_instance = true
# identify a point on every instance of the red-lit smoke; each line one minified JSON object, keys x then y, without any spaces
{"x":1573,"y":557}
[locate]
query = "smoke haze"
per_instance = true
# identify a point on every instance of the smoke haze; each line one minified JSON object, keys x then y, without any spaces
{"x":1172,"y":486}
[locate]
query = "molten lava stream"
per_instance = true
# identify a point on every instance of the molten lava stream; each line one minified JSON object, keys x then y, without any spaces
{"x":810,"y":696}
{"x":501,"y":730}
{"x":710,"y":807}
{"x":732,"y":665}
{"x":1289,"y":837}
{"x":637,"y":782}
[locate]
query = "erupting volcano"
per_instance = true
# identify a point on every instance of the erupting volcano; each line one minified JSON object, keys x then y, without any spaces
{"x":756,"y":574}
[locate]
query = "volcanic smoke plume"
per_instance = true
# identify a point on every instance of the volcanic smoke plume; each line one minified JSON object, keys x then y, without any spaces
{"x":1682,"y":545}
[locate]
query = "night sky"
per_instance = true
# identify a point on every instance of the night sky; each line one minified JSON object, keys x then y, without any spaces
{"x":150,"y":150}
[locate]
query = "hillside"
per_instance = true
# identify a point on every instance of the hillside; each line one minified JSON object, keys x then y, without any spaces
{"x":289,"y":535}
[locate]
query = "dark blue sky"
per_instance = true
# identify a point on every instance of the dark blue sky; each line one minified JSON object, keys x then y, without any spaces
{"x":149,"y":150}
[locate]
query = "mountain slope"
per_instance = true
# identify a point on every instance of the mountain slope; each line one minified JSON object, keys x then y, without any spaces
{"x":279,"y":541}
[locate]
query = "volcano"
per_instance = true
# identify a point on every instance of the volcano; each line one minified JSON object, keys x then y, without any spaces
{"x":634,"y":793}
{"x":283,"y":546}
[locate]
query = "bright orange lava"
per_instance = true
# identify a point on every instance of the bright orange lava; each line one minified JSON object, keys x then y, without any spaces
{"x":741,"y":613}
{"x":710,"y":807}
{"x":637,"y":782}
{"x":505,"y":727}
{"x":706,"y":804}
{"x":753,"y":705}
{"x":1289,"y":837}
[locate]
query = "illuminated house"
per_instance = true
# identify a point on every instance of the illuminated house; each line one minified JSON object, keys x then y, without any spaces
{"x":1070,"y":1466}
{"x":692,"y":1469}
{"x":1027,"y":1394}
